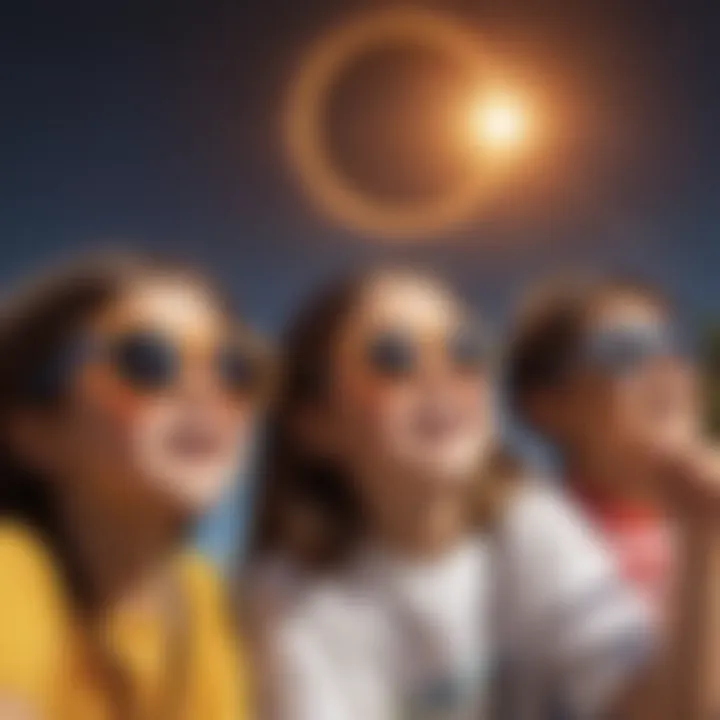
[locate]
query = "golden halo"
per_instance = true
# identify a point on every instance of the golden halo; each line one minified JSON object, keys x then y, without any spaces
{"x":326,"y":186}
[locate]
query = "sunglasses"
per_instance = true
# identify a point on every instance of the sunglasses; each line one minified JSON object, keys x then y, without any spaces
{"x":149,"y":361}
{"x":397,"y":354}
{"x":623,"y":349}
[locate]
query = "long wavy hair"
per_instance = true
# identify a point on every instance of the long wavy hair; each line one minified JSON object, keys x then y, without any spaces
{"x":36,"y":324}
{"x":306,"y":508}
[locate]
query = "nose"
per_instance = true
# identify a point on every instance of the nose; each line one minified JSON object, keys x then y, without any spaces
{"x":436,"y":369}
{"x":198,"y":382}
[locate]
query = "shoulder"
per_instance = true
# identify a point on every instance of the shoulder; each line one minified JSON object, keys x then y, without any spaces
{"x":295,"y":606}
{"x":539,"y":494}
{"x":562,"y":582}
{"x":301,"y":661}
{"x":541,"y":514}
{"x":556,"y":564}
{"x":306,"y":631}
{"x":27,"y":568}
{"x":276,"y":583}
{"x":550,"y":553}
{"x":32,"y":609}
{"x":23,"y":551}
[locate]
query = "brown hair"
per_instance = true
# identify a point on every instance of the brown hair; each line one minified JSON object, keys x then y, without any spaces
{"x":36,"y":326}
{"x":550,"y":327}
{"x":307,"y":510}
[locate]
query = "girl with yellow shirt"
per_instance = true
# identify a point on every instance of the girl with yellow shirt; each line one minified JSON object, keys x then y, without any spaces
{"x":127,"y":396}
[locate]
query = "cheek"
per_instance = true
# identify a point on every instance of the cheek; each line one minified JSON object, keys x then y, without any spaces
{"x":694,"y":393}
{"x":685,"y":386}
{"x":665,"y":399}
{"x":106,"y":396}
{"x":591,"y":409}
{"x":235,"y":424}
{"x":117,"y":422}
{"x":97,"y":439}
{"x":371,"y":412}
{"x":474,"y":395}
{"x":130,"y":441}
{"x":621,"y":413}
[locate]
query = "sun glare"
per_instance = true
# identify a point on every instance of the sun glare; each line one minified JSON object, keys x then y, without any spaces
{"x":499,"y":123}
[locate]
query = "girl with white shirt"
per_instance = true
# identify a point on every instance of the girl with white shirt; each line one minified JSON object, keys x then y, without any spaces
{"x":400,"y":566}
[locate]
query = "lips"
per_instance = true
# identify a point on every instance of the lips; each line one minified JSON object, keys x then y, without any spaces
{"x":195,"y":441}
{"x":435,"y":423}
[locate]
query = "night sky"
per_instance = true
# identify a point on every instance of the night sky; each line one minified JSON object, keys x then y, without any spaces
{"x":158,"y":126}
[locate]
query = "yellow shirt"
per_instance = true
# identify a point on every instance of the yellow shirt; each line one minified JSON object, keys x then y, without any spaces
{"x":45,"y":660}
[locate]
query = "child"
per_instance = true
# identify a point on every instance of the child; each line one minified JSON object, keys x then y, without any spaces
{"x":599,"y":370}
{"x":400,"y":568}
{"x":126,"y":395}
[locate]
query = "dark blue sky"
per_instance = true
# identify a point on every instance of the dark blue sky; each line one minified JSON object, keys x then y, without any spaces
{"x":158,"y":124}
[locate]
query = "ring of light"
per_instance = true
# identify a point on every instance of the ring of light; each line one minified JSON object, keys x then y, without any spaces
{"x":327,"y":187}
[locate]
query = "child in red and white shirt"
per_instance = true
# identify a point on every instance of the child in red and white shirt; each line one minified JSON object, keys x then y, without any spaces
{"x":597,"y":369}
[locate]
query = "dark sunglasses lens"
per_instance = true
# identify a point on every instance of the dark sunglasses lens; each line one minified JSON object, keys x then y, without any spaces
{"x":392,"y":355}
{"x":238,"y":370}
{"x":622,"y":351}
{"x":146,"y":360}
{"x":468,"y":350}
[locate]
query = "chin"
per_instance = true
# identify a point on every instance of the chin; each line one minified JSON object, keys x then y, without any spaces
{"x":189,"y":492}
{"x":448,"y":471}
{"x":459,"y":462}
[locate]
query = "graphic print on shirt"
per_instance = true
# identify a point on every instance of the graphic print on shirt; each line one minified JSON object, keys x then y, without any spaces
{"x":447,"y":694}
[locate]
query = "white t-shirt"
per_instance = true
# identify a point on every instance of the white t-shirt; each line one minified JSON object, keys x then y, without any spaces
{"x":533,"y":619}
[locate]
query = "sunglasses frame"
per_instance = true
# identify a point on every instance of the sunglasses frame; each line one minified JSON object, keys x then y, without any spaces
{"x":416,"y":343}
{"x":89,"y":349}
{"x":643,"y":343}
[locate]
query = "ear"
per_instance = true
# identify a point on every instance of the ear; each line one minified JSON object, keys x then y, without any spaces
{"x":31,"y":439}
{"x":317,"y":432}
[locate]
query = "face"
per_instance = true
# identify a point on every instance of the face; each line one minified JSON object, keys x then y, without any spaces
{"x":160,"y":406}
{"x":634,"y":391}
{"x":409,"y":406}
